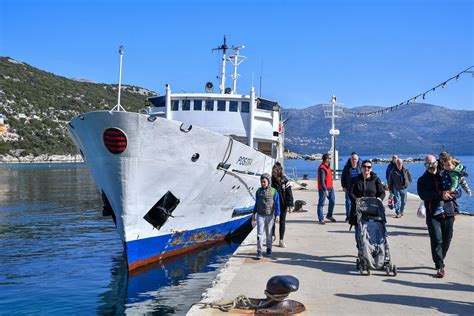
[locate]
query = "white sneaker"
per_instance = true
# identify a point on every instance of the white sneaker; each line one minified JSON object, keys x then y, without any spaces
{"x":282,"y":244}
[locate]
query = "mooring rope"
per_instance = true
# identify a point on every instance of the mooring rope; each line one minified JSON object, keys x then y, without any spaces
{"x":241,"y":301}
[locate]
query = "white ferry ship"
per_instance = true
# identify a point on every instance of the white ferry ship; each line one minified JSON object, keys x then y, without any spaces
{"x":183,"y":172}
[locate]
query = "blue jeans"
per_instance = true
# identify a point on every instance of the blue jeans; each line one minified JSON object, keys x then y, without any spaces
{"x":356,"y":233}
{"x":400,"y":200}
{"x":348,"y":205}
{"x":322,"y":198}
{"x":441,"y":233}
{"x":264,"y":227}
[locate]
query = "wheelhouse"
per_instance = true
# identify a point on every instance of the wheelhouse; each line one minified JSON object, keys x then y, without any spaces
{"x":251,"y":120}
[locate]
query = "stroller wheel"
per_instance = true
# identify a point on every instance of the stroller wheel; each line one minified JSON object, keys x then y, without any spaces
{"x":387,"y":269}
{"x":394,"y":270}
{"x":357,"y":264}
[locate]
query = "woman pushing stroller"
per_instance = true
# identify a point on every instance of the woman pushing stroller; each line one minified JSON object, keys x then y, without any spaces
{"x":367,"y":184}
{"x":368,"y":216}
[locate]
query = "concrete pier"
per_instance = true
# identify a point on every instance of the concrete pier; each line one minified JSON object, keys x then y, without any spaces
{"x":323,"y":258}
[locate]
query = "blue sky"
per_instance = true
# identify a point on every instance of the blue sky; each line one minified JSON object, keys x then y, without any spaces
{"x":365,"y":52}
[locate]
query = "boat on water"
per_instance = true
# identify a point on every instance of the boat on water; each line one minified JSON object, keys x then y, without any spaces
{"x":181,"y":173}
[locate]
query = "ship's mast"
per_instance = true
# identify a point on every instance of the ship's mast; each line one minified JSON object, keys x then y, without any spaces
{"x":119,"y":107}
{"x":236,"y":60}
{"x":223,"y":48}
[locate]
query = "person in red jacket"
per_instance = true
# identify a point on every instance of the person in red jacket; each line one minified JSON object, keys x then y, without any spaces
{"x":325,"y":189}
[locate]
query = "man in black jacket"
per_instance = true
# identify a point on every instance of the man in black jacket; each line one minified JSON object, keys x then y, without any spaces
{"x":440,"y":228}
{"x":349,"y":174}
{"x":392,"y":165}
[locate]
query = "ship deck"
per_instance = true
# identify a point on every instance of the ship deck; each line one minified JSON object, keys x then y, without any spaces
{"x":323,"y":259}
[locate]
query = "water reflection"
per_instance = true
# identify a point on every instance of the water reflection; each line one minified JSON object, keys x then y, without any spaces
{"x":60,"y":256}
{"x":167,"y":287}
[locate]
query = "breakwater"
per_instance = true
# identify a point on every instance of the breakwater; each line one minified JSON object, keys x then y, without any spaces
{"x":44,"y":158}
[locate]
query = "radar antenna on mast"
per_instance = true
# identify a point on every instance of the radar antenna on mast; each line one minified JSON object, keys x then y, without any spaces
{"x":236,"y":60}
{"x":223,"y":48}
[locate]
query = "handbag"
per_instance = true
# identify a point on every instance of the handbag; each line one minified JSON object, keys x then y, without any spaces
{"x":421,"y":213}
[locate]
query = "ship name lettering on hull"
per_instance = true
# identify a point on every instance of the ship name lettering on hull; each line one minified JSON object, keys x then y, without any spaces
{"x":244,"y":161}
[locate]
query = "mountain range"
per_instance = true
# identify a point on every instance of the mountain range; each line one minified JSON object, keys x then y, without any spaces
{"x":412,"y":129}
{"x":37,"y":105}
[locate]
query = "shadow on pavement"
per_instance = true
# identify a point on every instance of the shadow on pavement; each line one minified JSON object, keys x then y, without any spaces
{"x":411,"y":270}
{"x":405,"y":233}
{"x":295,"y":221}
{"x":331,"y":264}
{"x":315,"y":221}
{"x":423,"y":228}
{"x":450,"y":286}
{"x":342,"y":231}
{"x":441,"y":305}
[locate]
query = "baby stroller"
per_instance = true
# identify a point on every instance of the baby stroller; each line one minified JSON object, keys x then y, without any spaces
{"x":371,"y":235}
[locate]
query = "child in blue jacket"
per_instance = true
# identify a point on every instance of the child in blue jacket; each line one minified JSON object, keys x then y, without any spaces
{"x":266,"y":210}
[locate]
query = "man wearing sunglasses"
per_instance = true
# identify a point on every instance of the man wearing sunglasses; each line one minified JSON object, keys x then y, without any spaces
{"x":440,"y":228}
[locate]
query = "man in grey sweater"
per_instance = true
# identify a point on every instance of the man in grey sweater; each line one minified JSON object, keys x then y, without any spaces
{"x":398,"y":182}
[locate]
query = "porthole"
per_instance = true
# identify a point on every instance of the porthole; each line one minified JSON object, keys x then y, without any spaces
{"x":115,"y":140}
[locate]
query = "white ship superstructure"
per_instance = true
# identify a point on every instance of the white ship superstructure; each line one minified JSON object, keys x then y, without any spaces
{"x":183,"y":172}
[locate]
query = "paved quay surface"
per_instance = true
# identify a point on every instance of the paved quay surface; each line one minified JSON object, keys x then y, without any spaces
{"x":323,"y":258}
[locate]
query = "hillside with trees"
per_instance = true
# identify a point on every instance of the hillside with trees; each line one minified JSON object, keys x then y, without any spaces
{"x":37,"y":106}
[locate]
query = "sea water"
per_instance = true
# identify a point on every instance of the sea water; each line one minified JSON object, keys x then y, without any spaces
{"x":299,"y":167}
{"x":60,"y":256}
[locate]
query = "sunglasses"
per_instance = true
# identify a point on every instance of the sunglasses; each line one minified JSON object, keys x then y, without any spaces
{"x":368,"y":167}
{"x":431,"y":164}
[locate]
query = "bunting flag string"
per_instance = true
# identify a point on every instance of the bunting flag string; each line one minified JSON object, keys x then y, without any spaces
{"x":422,"y":95}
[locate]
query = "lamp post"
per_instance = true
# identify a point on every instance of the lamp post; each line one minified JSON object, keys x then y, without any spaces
{"x":334,"y":132}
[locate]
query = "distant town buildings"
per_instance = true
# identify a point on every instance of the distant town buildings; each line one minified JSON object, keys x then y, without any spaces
{"x":5,"y":133}
{"x":3,"y":128}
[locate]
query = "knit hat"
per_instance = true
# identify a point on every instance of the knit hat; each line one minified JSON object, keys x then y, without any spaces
{"x":266,"y":176}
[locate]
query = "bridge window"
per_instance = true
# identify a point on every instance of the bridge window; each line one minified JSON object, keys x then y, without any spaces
{"x":245,"y":107}
{"x":197,"y":105}
{"x":209,"y":105}
{"x":220,"y":105}
{"x":233,"y":106}
{"x":186,"y":106}
{"x":268,"y":105}
{"x":175,"y":105}
{"x":158,"y":101}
